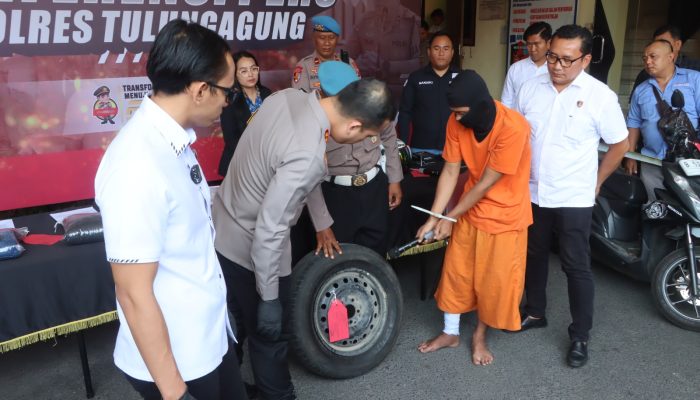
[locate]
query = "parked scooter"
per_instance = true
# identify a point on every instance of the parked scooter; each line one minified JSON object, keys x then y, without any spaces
{"x":655,"y":242}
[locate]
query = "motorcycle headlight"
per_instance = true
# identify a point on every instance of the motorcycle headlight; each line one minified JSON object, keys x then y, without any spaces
{"x":656,"y":210}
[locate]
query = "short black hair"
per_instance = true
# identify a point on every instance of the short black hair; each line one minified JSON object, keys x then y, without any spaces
{"x":241,"y":54}
{"x":437,"y":13}
{"x":539,"y":28}
{"x":367,"y":100}
{"x":437,"y":35}
{"x":185,"y":52}
{"x":576,"y":32}
{"x":673,"y":30}
{"x":424,"y":25}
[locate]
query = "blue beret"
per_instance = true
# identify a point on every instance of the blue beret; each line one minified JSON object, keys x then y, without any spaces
{"x":335,"y":75}
{"x":324,"y":23}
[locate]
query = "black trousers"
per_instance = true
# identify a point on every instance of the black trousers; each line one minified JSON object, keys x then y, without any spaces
{"x":573,"y":228}
{"x":360,"y":213}
{"x":267,"y":358}
{"x":223,"y":383}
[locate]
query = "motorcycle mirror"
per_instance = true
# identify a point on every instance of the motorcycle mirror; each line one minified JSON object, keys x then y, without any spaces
{"x":677,"y":99}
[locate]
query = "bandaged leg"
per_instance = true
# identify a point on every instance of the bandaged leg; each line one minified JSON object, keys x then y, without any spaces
{"x":448,"y":338}
{"x":451,"y":324}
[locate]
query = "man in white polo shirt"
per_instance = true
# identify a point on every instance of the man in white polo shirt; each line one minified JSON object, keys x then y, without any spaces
{"x":174,"y":341}
{"x":536,"y":38}
{"x":569,"y":112}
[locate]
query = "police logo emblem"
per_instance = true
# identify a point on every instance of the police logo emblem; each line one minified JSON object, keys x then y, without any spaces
{"x":359,"y":180}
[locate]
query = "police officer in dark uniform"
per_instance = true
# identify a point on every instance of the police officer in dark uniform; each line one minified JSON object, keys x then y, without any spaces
{"x":423,"y":111}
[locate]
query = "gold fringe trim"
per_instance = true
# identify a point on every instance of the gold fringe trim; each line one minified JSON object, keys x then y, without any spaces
{"x":50,"y":333}
{"x":424,"y":248}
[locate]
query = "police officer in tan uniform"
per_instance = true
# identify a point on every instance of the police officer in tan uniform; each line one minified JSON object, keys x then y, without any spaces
{"x":278,"y":161}
{"x":326,"y":33}
{"x":356,"y":195}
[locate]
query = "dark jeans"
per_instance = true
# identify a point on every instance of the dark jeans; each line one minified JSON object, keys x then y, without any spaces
{"x":360,"y":213}
{"x":223,"y":383}
{"x":573,"y":228}
{"x":267,"y":358}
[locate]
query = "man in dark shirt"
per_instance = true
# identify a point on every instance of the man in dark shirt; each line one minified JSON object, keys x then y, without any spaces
{"x":424,"y":100}
{"x":672,"y":35}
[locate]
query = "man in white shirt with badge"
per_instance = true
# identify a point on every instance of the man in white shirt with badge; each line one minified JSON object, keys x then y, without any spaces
{"x":175,"y":340}
{"x":537,"y":37}
{"x":569,"y":113}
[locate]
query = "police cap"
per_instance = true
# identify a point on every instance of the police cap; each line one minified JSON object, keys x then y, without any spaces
{"x":101,"y":90}
{"x":335,"y":75}
{"x":324,"y":23}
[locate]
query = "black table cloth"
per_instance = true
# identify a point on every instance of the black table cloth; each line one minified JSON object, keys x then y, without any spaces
{"x":52,"y":290}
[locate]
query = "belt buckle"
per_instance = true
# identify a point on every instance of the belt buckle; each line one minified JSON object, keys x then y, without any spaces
{"x":359,"y":180}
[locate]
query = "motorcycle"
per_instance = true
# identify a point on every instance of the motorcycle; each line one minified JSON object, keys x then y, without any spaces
{"x":657,"y":242}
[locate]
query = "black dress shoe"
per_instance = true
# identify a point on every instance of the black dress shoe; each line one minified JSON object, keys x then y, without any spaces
{"x":578,"y":354}
{"x":528,"y":322}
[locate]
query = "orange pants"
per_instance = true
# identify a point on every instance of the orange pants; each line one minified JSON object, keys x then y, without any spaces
{"x":484,"y":272}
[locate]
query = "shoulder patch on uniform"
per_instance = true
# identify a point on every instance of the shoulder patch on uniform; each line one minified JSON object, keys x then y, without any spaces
{"x":297,"y":73}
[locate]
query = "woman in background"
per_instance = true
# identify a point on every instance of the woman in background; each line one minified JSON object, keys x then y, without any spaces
{"x":235,"y":116}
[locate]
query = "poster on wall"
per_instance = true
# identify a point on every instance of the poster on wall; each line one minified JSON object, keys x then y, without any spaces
{"x":523,"y":13}
{"x":73,"y":72}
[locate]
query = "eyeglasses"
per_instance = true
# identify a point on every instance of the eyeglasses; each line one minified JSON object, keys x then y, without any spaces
{"x":535,"y":44}
{"x":228,"y":92}
{"x":564,"y":62}
{"x":253,"y":70}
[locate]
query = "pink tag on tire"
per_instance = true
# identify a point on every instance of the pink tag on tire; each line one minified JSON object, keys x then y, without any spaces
{"x":338,"y":327}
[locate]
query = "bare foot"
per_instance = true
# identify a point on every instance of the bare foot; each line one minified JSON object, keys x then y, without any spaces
{"x":481,"y":355}
{"x":438,"y":342}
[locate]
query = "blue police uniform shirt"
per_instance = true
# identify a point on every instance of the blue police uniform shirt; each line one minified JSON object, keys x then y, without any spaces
{"x":644,"y":115}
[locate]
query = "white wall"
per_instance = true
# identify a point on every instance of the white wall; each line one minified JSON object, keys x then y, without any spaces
{"x":488,"y":55}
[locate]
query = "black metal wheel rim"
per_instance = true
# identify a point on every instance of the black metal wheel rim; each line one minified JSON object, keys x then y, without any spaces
{"x":365,"y":299}
{"x":677,"y":291}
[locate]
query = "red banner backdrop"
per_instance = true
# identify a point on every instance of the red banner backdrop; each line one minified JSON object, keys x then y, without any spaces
{"x":72,"y":73}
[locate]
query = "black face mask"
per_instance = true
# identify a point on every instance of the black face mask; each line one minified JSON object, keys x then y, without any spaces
{"x":469,"y":90}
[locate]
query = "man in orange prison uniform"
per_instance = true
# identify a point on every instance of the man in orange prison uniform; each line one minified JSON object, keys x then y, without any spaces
{"x":484,"y":268}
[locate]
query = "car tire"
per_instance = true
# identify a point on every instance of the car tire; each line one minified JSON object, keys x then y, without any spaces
{"x":371,"y":292}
